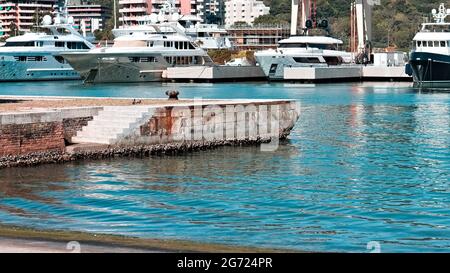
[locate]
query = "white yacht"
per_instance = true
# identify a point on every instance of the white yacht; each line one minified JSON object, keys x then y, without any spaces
{"x":206,"y":36}
{"x":301,"y":51}
{"x":430,"y":59}
{"x":37,"y":55}
{"x":139,"y":57}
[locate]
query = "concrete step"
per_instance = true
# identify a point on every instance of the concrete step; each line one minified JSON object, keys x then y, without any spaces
{"x":91,"y":140}
{"x":99,"y":134}
{"x":107,"y":128}
{"x":113,"y":122}
{"x":110,"y":124}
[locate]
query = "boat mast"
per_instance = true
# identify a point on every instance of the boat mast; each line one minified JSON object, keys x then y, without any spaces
{"x":115,"y":14}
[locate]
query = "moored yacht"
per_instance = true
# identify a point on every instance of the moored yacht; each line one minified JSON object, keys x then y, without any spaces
{"x":139,"y":57}
{"x":37,"y":55}
{"x":206,"y":36}
{"x":302,"y":51}
{"x":430,"y":59}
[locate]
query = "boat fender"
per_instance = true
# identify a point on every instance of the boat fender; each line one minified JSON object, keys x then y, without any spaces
{"x":408,"y":70}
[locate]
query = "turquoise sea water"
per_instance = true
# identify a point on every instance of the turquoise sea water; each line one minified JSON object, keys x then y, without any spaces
{"x":366,"y":162}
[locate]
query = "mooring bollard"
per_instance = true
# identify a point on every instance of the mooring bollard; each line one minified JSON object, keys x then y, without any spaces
{"x":173,"y":95}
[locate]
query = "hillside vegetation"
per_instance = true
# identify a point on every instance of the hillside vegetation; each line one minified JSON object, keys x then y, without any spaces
{"x":394,"y":21}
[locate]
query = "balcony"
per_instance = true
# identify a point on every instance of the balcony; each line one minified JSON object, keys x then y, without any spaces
{"x":136,"y":9}
{"x":125,"y":2}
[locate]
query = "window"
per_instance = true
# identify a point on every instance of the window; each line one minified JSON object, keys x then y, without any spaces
{"x":302,"y":45}
{"x":77,"y":45}
{"x":419,"y":43}
{"x":442,"y":43}
{"x":142,"y":59}
{"x":30,"y":58}
{"x":59,"y":44}
{"x":307,"y":60}
{"x":430,"y":43}
{"x":40,"y":44}
{"x":436,"y":43}
{"x":18,"y":44}
{"x":168,"y":44}
{"x":60,"y":59}
{"x":424,"y":44}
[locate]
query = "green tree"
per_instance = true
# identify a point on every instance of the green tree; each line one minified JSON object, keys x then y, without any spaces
{"x":14,"y":30}
{"x":240,"y":24}
{"x":269,"y":20}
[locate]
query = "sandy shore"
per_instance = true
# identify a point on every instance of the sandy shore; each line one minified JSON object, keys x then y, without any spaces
{"x":23,"y":240}
{"x":11,"y":245}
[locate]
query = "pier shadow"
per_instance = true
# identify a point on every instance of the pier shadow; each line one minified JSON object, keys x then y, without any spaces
{"x":6,"y":101}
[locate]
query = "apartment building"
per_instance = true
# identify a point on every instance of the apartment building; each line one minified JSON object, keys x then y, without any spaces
{"x":19,"y":16}
{"x":131,"y":11}
{"x":214,"y":11}
{"x":244,"y":11}
{"x":93,"y":16}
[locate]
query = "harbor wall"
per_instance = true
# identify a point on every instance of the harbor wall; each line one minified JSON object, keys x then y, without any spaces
{"x":69,"y":134}
{"x":215,"y":122}
{"x":23,"y":133}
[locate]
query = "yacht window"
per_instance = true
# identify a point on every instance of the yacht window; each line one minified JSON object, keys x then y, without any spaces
{"x":323,"y":46}
{"x":77,"y":45}
{"x":150,"y":44}
{"x":333,"y":60}
{"x":20,"y":58}
{"x":419,"y":43}
{"x":301,"y":45}
{"x":182,"y":45}
{"x":40,"y":44}
{"x":436,"y":43}
{"x":168,"y":44}
{"x":442,"y":44}
{"x":59,"y":44}
{"x":142,"y":59}
{"x":30,"y":58}
{"x":28,"y":44}
{"x":424,"y":44}
{"x":308,"y":60}
{"x":60,"y":59}
{"x":191,"y":46}
{"x":430,"y":44}
{"x":181,"y":60}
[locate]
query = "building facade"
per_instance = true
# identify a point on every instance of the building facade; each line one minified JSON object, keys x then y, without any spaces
{"x":214,"y":11}
{"x":93,"y":17}
{"x":20,"y":16}
{"x":245,"y":11}
{"x":257,"y":37}
{"x":132,"y":11}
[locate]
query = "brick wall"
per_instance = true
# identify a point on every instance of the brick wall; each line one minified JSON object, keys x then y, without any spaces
{"x":28,"y":138}
{"x":72,"y":125}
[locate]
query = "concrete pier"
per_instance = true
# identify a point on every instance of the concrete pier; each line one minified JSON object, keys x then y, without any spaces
{"x":36,"y":136}
{"x":303,"y":74}
{"x":214,"y":73}
{"x":346,"y":73}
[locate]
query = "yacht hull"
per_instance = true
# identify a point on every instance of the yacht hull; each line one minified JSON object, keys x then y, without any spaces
{"x":430,"y":70}
{"x":104,"y":68}
{"x":13,"y":70}
{"x":273,"y":65}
